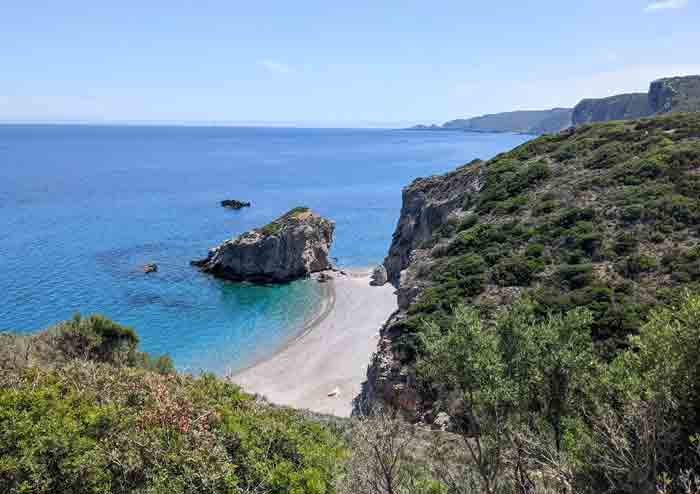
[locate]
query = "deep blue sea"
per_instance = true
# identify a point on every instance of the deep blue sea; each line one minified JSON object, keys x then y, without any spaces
{"x":82,"y":208}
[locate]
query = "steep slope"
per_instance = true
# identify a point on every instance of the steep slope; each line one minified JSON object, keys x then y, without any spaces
{"x":603,"y":216}
{"x":618,"y":107}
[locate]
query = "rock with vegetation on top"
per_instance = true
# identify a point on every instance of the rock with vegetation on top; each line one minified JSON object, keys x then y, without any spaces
{"x":293,"y":246}
{"x":234,"y":204}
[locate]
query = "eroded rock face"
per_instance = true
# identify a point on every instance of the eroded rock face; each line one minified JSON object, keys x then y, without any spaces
{"x":675,"y":94}
{"x":427,"y":203}
{"x":292,"y":246}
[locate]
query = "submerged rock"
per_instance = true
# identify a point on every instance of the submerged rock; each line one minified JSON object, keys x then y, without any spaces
{"x":293,"y":246}
{"x":234,"y":204}
{"x":150,"y":268}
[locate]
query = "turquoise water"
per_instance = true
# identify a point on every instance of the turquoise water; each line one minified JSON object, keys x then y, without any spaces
{"x":82,"y":208}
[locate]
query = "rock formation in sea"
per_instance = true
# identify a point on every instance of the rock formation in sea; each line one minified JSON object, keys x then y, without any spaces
{"x":234,"y":204}
{"x":293,"y":246}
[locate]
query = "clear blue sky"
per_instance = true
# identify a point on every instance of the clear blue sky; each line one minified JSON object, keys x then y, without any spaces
{"x":330,"y":63}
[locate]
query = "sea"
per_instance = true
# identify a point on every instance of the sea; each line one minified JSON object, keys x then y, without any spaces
{"x":83,"y":208}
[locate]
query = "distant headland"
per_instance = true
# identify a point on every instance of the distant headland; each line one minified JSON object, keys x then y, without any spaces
{"x":668,"y":95}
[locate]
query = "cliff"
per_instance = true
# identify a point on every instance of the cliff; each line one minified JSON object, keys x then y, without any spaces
{"x":293,"y":246}
{"x":675,"y":94}
{"x":670,"y":95}
{"x":603,"y":216}
{"x":619,"y":107}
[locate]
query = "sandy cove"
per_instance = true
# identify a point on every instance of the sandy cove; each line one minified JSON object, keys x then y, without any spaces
{"x":333,"y":352}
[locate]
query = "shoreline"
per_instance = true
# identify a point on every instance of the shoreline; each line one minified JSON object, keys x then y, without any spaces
{"x":314,"y":319}
{"x":323,"y":366}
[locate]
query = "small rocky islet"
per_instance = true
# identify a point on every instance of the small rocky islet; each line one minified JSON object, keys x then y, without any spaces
{"x":292,"y":246}
{"x":234,"y":204}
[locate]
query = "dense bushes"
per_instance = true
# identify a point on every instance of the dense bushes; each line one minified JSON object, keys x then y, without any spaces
{"x":603,"y":217}
{"x":529,"y":393}
{"x":506,"y":179}
{"x":84,"y":413}
{"x":93,"y":338}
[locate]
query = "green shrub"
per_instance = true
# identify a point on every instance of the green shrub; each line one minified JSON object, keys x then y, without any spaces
{"x":571,"y":216}
{"x":507,"y":179}
{"x":96,"y":428}
{"x":575,"y":276}
{"x":626,"y":243}
{"x":633,"y":266}
{"x":467,"y":222}
{"x":535,"y":251}
{"x":516,"y":271}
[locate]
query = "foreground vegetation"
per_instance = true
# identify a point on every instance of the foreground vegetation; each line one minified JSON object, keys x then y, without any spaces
{"x":81,"y":411}
{"x":534,"y":410}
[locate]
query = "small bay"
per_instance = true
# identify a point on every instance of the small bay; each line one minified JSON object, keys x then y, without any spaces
{"x":82,"y":208}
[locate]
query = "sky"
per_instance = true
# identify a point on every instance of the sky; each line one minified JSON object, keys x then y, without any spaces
{"x":321,"y":63}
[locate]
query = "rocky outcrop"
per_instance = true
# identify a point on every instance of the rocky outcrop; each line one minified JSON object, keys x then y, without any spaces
{"x":234,"y":204}
{"x":379,"y":276}
{"x":292,"y":246}
{"x":427,"y":204}
{"x":619,"y":107}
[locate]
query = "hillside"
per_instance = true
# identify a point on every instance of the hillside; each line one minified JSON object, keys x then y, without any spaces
{"x":603,"y":217}
{"x":523,"y":122}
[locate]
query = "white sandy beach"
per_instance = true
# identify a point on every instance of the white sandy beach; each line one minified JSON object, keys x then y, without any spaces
{"x":333,"y":352}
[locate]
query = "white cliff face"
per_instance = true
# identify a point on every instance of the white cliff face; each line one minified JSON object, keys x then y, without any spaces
{"x":293,"y":246}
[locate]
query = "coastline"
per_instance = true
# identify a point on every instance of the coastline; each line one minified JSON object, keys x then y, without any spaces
{"x":323,"y":367}
{"x":327,"y":301}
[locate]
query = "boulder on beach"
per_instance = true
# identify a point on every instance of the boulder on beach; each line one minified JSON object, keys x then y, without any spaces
{"x":323,"y":277}
{"x":379,"y":276}
{"x":234,"y":204}
{"x":293,"y":246}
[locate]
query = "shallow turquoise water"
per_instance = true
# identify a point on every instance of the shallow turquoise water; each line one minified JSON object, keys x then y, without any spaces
{"x":83,"y":207}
